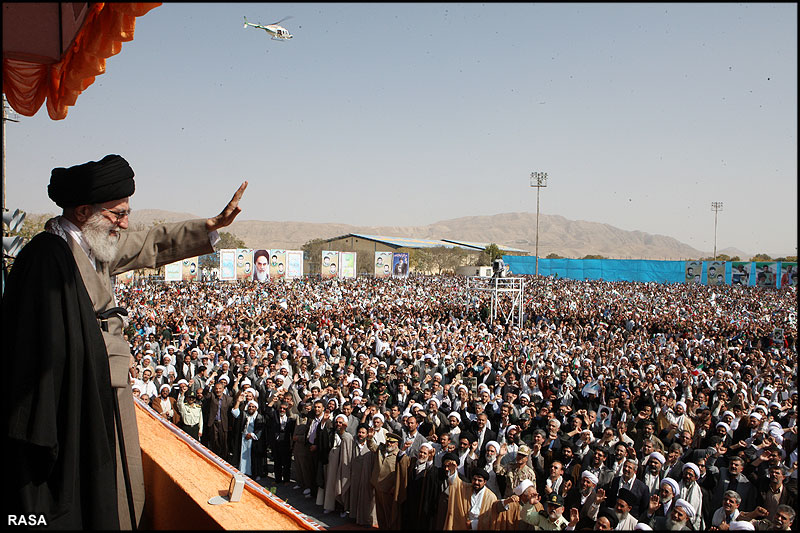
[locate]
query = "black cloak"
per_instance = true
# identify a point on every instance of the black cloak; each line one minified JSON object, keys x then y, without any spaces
{"x":59,"y":421}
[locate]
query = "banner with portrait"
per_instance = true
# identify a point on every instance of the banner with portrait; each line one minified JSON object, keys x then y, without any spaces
{"x":788,"y":274}
{"x":383,"y":264}
{"x":400,"y":265}
{"x":126,"y":278}
{"x":330,"y":264}
{"x":766,"y":274}
{"x":190,"y":269}
{"x":740,"y":272}
{"x":694,"y":271}
{"x":294,"y":264}
{"x":244,"y":263}
{"x":173,"y":271}
{"x":347,"y":265}
{"x":715,"y":274}
{"x":277,"y":264}
{"x":227,"y":265}
{"x":261,"y":266}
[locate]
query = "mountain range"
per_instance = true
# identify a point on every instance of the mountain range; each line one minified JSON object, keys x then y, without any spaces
{"x":567,"y":238}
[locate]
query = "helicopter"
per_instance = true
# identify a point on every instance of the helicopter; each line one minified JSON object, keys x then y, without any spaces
{"x":279,"y":33}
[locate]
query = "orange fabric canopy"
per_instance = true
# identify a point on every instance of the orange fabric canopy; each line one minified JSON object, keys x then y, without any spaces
{"x":27,"y":84}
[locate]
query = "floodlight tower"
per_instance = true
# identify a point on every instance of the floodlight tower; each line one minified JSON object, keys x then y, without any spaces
{"x":538,"y":180}
{"x":716,"y":207}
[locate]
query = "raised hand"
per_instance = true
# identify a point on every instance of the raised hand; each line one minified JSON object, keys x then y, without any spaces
{"x":229,"y":212}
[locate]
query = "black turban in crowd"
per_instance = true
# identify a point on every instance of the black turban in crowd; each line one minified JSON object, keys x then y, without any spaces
{"x":94,"y":182}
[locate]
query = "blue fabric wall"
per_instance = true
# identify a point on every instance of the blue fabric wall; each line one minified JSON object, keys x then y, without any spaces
{"x":614,"y":269}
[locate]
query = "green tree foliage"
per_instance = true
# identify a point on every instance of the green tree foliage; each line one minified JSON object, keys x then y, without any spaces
{"x":787,"y":259}
{"x":439,"y":259}
{"x":554,"y":256}
{"x":228,"y":241}
{"x":761,"y":257}
{"x":489,"y":254}
{"x":32,"y":225}
{"x":593,"y":256}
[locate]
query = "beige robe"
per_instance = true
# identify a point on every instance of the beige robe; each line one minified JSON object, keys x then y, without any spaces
{"x":337,"y":479}
{"x":156,"y":247}
{"x":384,"y":479}
{"x":458,"y":505}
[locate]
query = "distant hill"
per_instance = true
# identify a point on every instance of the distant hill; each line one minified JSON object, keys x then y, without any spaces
{"x":568,"y":238}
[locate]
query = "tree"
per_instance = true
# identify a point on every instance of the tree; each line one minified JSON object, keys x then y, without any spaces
{"x":761,"y":257}
{"x":32,"y":225}
{"x":228,"y":241}
{"x":489,"y":254}
{"x":312,"y":255}
{"x":593,"y":256}
{"x":421,"y":259}
{"x":554,"y":256}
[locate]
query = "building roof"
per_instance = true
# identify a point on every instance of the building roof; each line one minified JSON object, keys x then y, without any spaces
{"x":404,"y":242}
{"x":483,"y":245}
{"x":411,"y":242}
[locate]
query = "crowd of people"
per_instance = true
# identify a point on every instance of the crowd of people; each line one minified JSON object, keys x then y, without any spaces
{"x":396,"y":402}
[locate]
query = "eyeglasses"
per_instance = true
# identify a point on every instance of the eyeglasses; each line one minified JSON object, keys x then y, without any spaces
{"x":118,"y":214}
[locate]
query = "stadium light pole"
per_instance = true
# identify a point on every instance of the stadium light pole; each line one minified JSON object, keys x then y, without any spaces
{"x":716,"y":207}
{"x":538,"y":180}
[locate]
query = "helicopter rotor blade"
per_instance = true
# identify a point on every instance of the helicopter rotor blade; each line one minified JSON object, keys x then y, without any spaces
{"x":284,"y":18}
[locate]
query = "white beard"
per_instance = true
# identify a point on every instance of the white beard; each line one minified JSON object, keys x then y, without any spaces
{"x":674,"y":526}
{"x":96,"y":230}
{"x":262,"y":276}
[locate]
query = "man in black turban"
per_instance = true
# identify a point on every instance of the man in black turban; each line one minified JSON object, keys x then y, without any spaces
{"x":71,"y":424}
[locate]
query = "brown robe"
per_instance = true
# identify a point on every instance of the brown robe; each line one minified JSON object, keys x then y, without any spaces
{"x":384,"y":479}
{"x":362,"y":494}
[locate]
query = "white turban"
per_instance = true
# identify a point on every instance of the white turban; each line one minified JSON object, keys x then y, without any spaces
{"x":524,"y":485}
{"x":658,"y":456}
{"x":672,"y":483}
{"x":343,"y":417}
{"x":741,"y":525}
{"x":164,"y":386}
{"x":436,"y":401}
{"x":686,"y":506}
{"x":495,"y":444}
{"x":641,"y":526}
{"x":723,"y":424}
{"x":455,"y":414}
{"x":252,"y":402}
{"x":682,"y":404}
{"x":694,"y":467}
{"x":378,"y":415}
{"x":590,"y":476}
{"x":427,"y":445}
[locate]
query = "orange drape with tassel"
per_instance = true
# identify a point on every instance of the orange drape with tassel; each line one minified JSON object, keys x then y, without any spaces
{"x":27,"y":85}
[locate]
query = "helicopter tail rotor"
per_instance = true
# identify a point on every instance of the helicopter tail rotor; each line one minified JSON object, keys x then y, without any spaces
{"x":245,"y":23}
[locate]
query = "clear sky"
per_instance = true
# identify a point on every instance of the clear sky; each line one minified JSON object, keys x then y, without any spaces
{"x":407,"y":114}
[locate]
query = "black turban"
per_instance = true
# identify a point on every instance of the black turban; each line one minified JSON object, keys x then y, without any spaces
{"x":449,"y":456}
{"x":610,"y":515}
{"x":94,"y":182}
